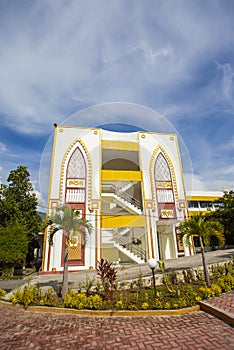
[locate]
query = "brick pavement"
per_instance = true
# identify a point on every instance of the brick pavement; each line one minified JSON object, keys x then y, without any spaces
{"x":224,"y":302}
{"x":221,"y":307}
{"x":21,"y":330}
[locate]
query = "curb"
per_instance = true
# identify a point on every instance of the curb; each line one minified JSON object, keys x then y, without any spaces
{"x":106,"y":313}
{"x":217,"y":312}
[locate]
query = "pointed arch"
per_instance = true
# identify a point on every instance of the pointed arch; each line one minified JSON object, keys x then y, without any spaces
{"x":76,"y":149}
{"x":163,"y":182}
{"x":76,"y":166}
{"x":75,"y":190}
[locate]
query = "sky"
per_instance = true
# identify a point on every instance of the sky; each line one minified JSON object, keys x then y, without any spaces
{"x":175,"y":57}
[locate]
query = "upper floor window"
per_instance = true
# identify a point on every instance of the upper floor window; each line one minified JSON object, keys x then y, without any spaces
{"x":205,"y":204}
{"x":162,"y":169}
{"x":76,"y":166}
{"x":163,"y":180}
{"x":193,"y":204}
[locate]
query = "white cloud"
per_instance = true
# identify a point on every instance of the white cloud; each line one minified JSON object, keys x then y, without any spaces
{"x":41,"y":202}
{"x":227,"y":80}
{"x":3,"y":148}
{"x":59,"y":57}
{"x":152,"y":56}
{"x":65,"y":55}
{"x":209,"y":182}
{"x":194,"y":182}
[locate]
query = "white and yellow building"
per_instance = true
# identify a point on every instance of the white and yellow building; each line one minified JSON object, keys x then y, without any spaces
{"x":128,"y":185}
{"x":199,"y":202}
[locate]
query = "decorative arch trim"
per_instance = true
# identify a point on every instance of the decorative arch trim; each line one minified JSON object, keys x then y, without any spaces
{"x":82,"y":145}
{"x":161,"y":149}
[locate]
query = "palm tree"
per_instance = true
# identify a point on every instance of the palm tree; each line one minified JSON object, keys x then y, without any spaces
{"x":198,"y":225}
{"x":67,"y":219}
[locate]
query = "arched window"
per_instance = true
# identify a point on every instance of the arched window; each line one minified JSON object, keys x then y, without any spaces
{"x":162,"y":170}
{"x":75,"y":197}
{"x":76,"y":166}
{"x":76,"y":179}
{"x":164,"y":188}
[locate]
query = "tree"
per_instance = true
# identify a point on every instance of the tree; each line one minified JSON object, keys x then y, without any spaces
{"x":198,"y":225}
{"x":13,"y":246}
{"x":67,"y":219}
{"x":18,"y":203}
{"x":225,"y":215}
{"x":21,"y":191}
{"x":8,"y":207}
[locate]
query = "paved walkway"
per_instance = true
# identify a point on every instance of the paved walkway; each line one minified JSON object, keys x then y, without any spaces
{"x":21,"y":330}
{"x":221,"y":307}
{"x":224,"y":302}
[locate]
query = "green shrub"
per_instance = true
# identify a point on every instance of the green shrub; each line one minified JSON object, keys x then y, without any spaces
{"x":50,"y":299}
{"x":79,"y":301}
{"x":229,"y":268}
{"x":2,"y":293}
{"x":206,"y":292}
{"x":167,"y":305}
{"x":94,"y":302}
{"x":218,"y":270}
{"x":75,"y":300}
{"x":221,"y":270}
{"x":145,"y":306}
{"x":132,"y":307}
{"x":213,"y":291}
{"x":119,"y":305}
{"x":183,"y":303}
{"x":226,"y":283}
{"x":27,"y":296}
{"x":216,"y":289}
{"x":158,"y":304}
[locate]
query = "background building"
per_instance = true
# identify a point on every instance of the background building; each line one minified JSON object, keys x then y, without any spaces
{"x":128,"y":185}
{"x":202,"y":201}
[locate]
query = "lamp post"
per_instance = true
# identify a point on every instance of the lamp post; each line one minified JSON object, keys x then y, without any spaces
{"x":152,"y":264}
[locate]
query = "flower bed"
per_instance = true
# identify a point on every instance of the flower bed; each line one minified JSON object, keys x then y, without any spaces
{"x":171,"y":295}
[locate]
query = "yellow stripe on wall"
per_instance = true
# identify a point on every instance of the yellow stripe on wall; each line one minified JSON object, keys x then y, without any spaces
{"x":121,"y":175}
{"x":201,"y":212}
{"x":120,"y":145}
{"x":201,"y":199}
{"x":123,"y":221}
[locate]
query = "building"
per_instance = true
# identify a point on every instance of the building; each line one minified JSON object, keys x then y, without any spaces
{"x":128,"y":185}
{"x":202,"y":201}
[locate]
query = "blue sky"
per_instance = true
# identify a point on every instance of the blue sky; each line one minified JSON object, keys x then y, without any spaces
{"x":173,"y":56}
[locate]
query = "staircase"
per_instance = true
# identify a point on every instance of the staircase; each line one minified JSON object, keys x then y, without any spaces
{"x":124,"y":231}
{"x":133,"y":251}
{"x":127,"y":204}
{"x":122,"y":198}
{"x":125,"y":187}
{"x":117,"y":195}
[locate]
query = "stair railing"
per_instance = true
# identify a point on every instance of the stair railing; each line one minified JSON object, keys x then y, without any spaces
{"x":111,"y":188}
{"x":131,"y":246}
